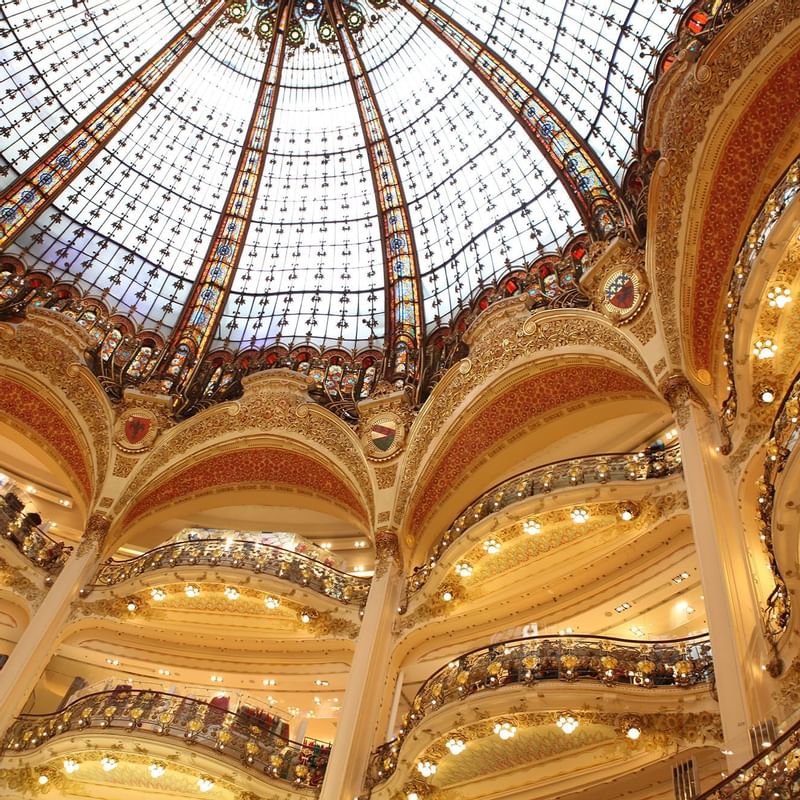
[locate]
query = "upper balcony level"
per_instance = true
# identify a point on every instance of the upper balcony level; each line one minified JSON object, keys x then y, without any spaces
{"x":30,"y":539}
{"x":239,"y":555}
{"x":255,"y":742}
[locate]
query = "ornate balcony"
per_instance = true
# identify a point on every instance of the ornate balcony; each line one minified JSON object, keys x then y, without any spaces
{"x":676,"y":663}
{"x":544,"y":480}
{"x":782,"y":441}
{"x":39,"y":548}
{"x":246,"y":739}
{"x":775,"y":773}
{"x":253,"y":557}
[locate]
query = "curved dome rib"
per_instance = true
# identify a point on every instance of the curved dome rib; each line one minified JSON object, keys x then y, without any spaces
{"x":593,"y":191}
{"x":201,"y":314}
{"x":45,"y":180}
{"x":403,"y":298}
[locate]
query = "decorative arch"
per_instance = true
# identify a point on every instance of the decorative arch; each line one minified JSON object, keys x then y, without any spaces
{"x":275,"y":411}
{"x":724,"y":130}
{"x":492,"y":422}
{"x":257,"y":471}
{"x":37,"y":417}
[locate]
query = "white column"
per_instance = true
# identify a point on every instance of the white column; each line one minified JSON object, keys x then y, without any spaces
{"x":358,"y":720}
{"x":39,"y":641}
{"x":731,"y":606}
{"x":398,"y":693}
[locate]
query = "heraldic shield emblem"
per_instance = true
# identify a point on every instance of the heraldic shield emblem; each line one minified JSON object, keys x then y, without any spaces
{"x":136,"y":430}
{"x":383,"y":436}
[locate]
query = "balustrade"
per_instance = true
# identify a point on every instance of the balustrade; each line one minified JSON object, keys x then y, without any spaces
{"x":39,"y":548}
{"x":676,"y":663}
{"x":544,"y":480}
{"x":202,"y":724}
{"x":773,"y":774}
{"x":241,"y":554}
{"x":780,"y":445}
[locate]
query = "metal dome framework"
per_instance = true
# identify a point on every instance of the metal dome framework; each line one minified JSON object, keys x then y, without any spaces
{"x":244,"y":174}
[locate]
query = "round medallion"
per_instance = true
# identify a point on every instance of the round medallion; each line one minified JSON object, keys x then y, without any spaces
{"x":622,"y":294}
{"x":136,"y":430}
{"x":384,"y":436}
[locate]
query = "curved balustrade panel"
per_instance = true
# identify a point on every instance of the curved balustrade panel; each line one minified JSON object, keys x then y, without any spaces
{"x":781,"y":444}
{"x":196,"y":722}
{"x":39,"y":548}
{"x":647,"y":665}
{"x":251,"y":556}
{"x":775,"y":773}
{"x":544,"y":480}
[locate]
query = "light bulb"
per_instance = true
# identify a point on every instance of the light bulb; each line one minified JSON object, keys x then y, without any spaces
{"x":271,"y":602}
{"x":157,"y":769}
{"x":633,"y":733}
{"x":426,"y":768}
{"x":205,"y":784}
{"x":579,"y":515}
{"x":131,"y":606}
{"x":71,"y":765}
{"x":491,"y":546}
{"x":765,"y":348}
{"x":532,"y":527}
{"x":463,"y":570}
{"x":43,"y":779}
{"x":191,"y":590}
{"x":158,"y":595}
{"x":447,"y":595}
{"x":456,"y":746}
{"x":505,"y":730}
{"x":108,"y":763}
{"x":231,"y":593}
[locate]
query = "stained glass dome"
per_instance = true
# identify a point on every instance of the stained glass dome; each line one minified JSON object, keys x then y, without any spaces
{"x":399,"y":155}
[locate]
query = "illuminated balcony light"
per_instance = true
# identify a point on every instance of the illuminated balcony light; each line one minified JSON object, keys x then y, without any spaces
{"x":164,"y":672}
{"x":326,"y":545}
{"x":360,"y":544}
{"x":271,"y":603}
{"x":205,"y":784}
{"x":269,"y":682}
{"x":320,"y":682}
{"x":426,"y":768}
{"x":579,"y":515}
{"x":463,"y":569}
{"x":568,"y":723}
{"x":627,"y":511}
{"x":765,"y":348}
{"x":532,"y":527}
{"x":456,"y":745}
{"x":131,"y":606}
{"x":779,"y":296}
{"x":108,"y":763}
{"x":43,"y":779}
{"x":231,"y":593}
{"x":216,"y":679}
{"x":71,"y":765}
{"x":505,"y":730}
{"x":447,"y":595}
{"x":157,"y":769}
{"x":636,"y":630}
{"x":633,"y":733}
{"x":306,"y":615}
{"x":766,"y":394}
{"x":491,"y":546}
{"x":191,"y":590}
{"x":114,"y":662}
{"x":680,"y":578}
{"x":158,"y":595}
{"x":622,"y":607}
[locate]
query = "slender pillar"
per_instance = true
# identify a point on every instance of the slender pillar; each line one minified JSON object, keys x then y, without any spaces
{"x":403,"y":297}
{"x":731,"y":607}
{"x":200,"y":316}
{"x":593,"y":191}
{"x":41,"y":184}
{"x":358,"y":721}
{"x":33,"y":651}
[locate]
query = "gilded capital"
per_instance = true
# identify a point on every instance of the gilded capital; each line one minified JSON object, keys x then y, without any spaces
{"x":679,"y":392}
{"x":387,"y":551}
{"x":97,"y":527}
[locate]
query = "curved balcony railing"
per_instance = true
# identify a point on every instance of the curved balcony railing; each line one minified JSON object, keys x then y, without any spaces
{"x":598,"y":469}
{"x":678,"y":662}
{"x":768,"y":216}
{"x":39,"y":548}
{"x":774,"y":773}
{"x":251,"y":556}
{"x":783,"y":439}
{"x":196,"y":722}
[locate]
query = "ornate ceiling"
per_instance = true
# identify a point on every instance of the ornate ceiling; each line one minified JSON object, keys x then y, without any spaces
{"x":328,"y":173}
